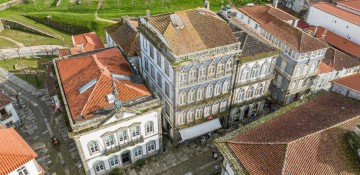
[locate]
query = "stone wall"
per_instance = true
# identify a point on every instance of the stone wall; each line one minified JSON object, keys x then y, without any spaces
{"x":18,"y":26}
{"x":9,"y":4}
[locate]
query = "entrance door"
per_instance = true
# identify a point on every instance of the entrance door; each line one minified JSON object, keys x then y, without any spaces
{"x":246,"y":112}
{"x":296,"y":97}
{"x":125,"y":158}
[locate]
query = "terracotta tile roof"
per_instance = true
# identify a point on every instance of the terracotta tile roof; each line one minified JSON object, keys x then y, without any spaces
{"x":4,"y":100}
{"x":126,"y":36}
{"x":88,"y":41}
{"x":324,"y":68}
{"x":337,"y":41}
{"x":338,"y":12}
{"x":76,"y":71}
{"x":64,"y":52}
{"x":303,"y":140}
{"x":338,"y":60}
{"x":14,"y":151}
{"x":351,"y":81}
{"x":352,"y":4}
{"x":293,"y":37}
{"x":198,"y":32}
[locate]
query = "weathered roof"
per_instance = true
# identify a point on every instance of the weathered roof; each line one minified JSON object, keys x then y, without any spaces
{"x":306,"y":133}
{"x":89,"y":41}
{"x":352,"y":4}
{"x":351,"y":81}
{"x":277,"y":26}
{"x":126,"y":35}
{"x":338,"y":60}
{"x":201,"y":31}
{"x":14,"y":151}
{"x":78,"y":70}
{"x":4,"y":100}
{"x":338,"y":12}
{"x":324,"y":68}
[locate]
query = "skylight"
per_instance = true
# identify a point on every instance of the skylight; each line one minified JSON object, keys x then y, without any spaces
{"x":87,"y":86}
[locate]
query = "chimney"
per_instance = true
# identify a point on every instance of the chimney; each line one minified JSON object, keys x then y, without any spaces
{"x":294,"y":22}
{"x":275,"y":3}
{"x":207,"y":4}
{"x":148,"y":15}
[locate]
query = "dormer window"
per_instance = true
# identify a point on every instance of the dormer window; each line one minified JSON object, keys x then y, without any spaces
{"x":109,"y":140}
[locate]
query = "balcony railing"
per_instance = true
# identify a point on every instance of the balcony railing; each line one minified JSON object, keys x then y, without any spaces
{"x":125,"y":145}
{"x":5,"y":116}
{"x":254,"y":80}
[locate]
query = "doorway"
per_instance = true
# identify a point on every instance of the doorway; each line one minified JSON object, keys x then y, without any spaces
{"x":246,"y":112}
{"x":126,"y":158}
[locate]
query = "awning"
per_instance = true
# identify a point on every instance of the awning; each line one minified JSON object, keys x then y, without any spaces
{"x":200,"y":129}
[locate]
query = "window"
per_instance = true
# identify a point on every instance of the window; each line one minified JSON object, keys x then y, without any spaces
{"x":259,"y":89}
{"x":109,"y":140}
{"x":158,"y":58}
{"x":149,"y":127}
{"x":279,"y":79}
{"x":207,"y":110}
{"x":192,"y":75}
{"x":23,"y":171}
{"x":242,"y":16}
{"x":220,"y":68}
{"x":211,"y":70}
{"x":138,"y":151}
{"x":250,"y":92}
{"x":183,"y":77}
{"x":166,"y":65}
{"x":218,"y":88}
{"x":191,"y":96}
{"x":202,"y":73}
{"x":223,"y":106}
{"x":283,"y":65}
{"x":199,"y":112}
{"x":122,"y":135}
{"x":150,"y":145}
{"x":99,"y":166}
{"x":312,"y":67}
{"x":226,"y":86}
{"x":229,"y":65}
{"x":152,"y":71}
{"x":200,"y":93}
{"x":255,"y":71}
{"x":167,"y":90}
{"x":182,"y":98}
{"x":167,"y":108}
{"x":245,"y":73}
{"x":159,"y":80}
{"x":265,"y":68}
{"x":215,"y":108}
{"x":151,"y":51}
{"x":93,"y":147}
{"x":248,"y":21}
{"x":181,"y":118}
{"x":146,"y":64}
{"x":190,"y":115}
{"x":240,"y":95}
{"x":9,"y":124}
{"x":256,"y":26}
{"x":135,"y":131}
{"x":144,"y":44}
{"x":209,"y":90}
{"x":114,"y":161}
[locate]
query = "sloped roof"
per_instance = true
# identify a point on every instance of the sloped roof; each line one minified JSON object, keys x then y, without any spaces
{"x":277,"y":26}
{"x":14,"y":151}
{"x":200,"y":31}
{"x":90,"y":41}
{"x":126,"y":35}
{"x":303,"y":139}
{"x":338,"y":12}
{"x":352,"y":4}
{"x":324,"y":68}
{"x":78,"y":70}
{"x":351,"y":81}
{"x":4,"y":100}
{"x":338,"y":60}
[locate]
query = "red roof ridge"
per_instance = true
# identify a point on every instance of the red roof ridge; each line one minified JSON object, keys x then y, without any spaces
{"x":137,"y":89}
{"x":84,"y":109}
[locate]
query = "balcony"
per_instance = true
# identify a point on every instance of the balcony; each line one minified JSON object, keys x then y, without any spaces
{"x":120,"y":147}
{"x":5,"y":115}
{"x":254,"y":80}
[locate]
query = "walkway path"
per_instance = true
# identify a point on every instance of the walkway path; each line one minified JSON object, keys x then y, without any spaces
{"x":11,"y":40}
{"x":101,"y":2}
{"x":31,"y":51}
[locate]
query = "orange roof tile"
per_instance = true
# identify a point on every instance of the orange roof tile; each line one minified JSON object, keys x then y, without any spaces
{"x":338,"y":60}
{"x":14,"y":151}
{"x":352,"y":4}
{"x":343,"y":14}
{"x":88,"y":41}
{"x":76,"y":71}
{"x":351,"y":81}
{"x":4,"y":100}
{"x":324,"y":68}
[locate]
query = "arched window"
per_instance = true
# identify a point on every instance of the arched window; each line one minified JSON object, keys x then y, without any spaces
{"x":223,"y":105}
{"x":149,"y":127}
{"x":240,"y":95}
{"x":192,"y":75}
{"x":250,"y":92}
{"x":190,"y":115}
{"x":207,"y":110}
{"x":181,"y":118}
{"x":229,"y":65}
{"x":93,"y":147}
{"x":200,"y":93}
{"x":215,"y":108}
{"x":191,"y":96}
{"x":220,"y":68}
{"x":123,"y":136}
{"x":255,"y":71}
{"x":202,"y":73}
{"x":265,"y":68}
{"x":209,"y":90}
{"x":226,"y":86}
{"x":218,"y":88}
{"x":151,"y":145}
{"x":109,"y":140}
{"x":183,"y":77}
{"x":99,"y":166}
{"x":138,"y":151}
{"x":211,"y":70}
{"x":182,"y":98}
{"x":199,"y":112}
{"x":113,"y":161}
{"x":245,"y":73}
{"x":259,"y":89}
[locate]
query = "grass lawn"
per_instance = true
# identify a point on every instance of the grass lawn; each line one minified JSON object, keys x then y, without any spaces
{"x":33,"y":63}
{"x":5,"y":44}
{"x":29,"y":38}
{"x":32,"y":80}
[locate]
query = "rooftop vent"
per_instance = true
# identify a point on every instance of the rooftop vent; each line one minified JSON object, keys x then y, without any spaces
{"x":120,"y":77}
{"x":176,"y":21}
{"x":87,"y":86}
{"x":110,"y":98}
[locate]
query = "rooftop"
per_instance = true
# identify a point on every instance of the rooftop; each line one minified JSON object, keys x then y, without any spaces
{"x":341,"y":13}
{"x":14,"y":151}
{"x":193,"y":30}
{"x":352,"y":4}
{"x":306,"y":133}
{"x":87,"y":41}
{"x":278,"y":26}
{"x":338,"y":60}
{"x":4,"y":100}
{"x":351,"y":81}
{"x":94,"y":70}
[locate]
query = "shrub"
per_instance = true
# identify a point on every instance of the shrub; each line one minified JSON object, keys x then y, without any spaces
{"x":140,"y":163}
{"x":116,"y":171}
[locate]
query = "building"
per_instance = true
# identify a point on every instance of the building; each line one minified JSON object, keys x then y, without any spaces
{"x":336,"y":19}
{"x":190,"y":66}
{"x":16,"y":156}
{"x":305,"y":137}
{"x":301,"y":54}
{"x":347,"y":86}
{"x":351,"y":6}
{"x":8,"y":115}
{"x":336,"y":64}
{"x":114,"y":119}
{"x":82,"y":43}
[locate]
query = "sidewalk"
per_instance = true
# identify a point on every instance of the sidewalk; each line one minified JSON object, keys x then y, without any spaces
{"x":31,"y":51}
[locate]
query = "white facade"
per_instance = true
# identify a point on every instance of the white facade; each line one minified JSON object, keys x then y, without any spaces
{"x":30,"y":167}
{"x":119,"y":144}
{"x":334,"y":24}
{"x":8,"y":116}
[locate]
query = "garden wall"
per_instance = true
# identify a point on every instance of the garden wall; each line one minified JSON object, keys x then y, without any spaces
{"x":19,"y":26}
